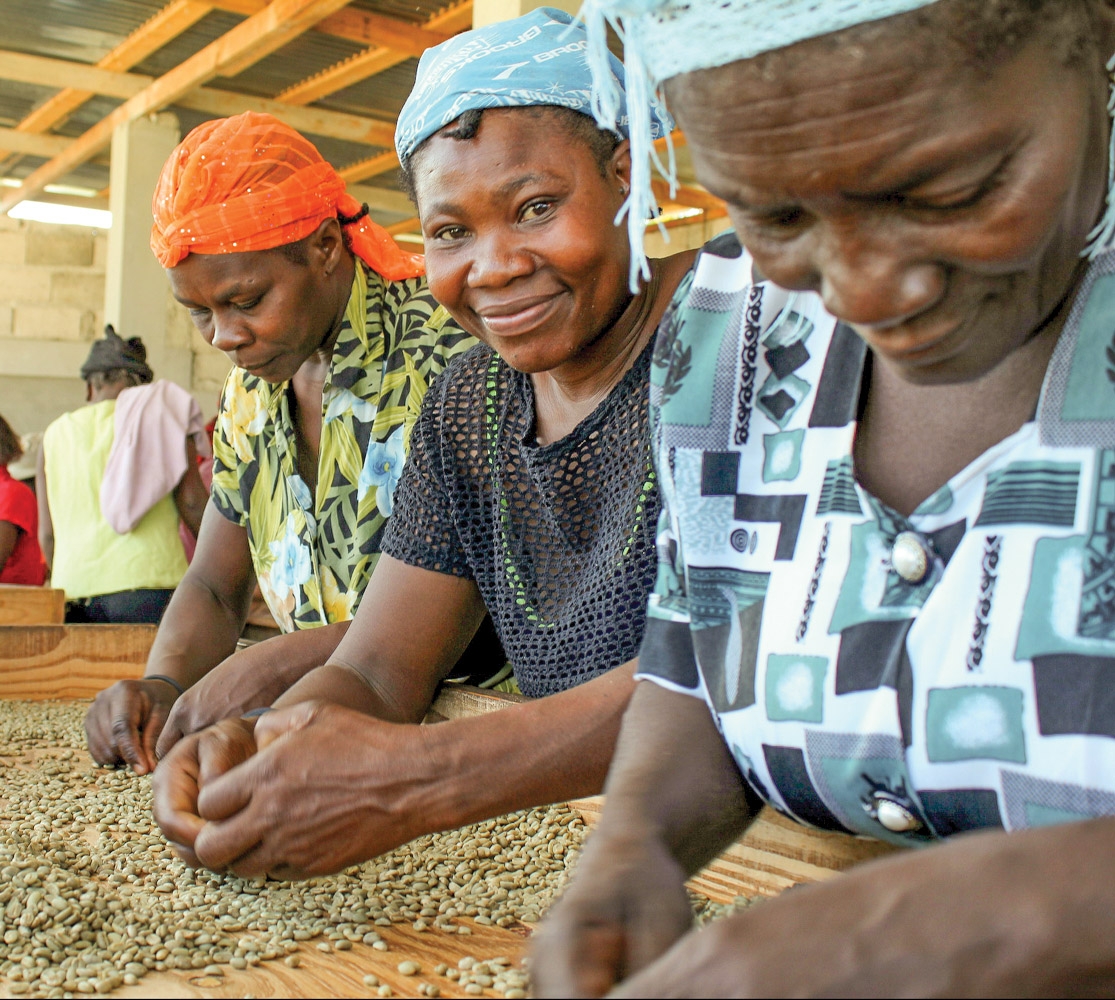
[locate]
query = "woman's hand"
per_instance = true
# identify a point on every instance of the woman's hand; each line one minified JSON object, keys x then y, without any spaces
{"x":993,"y":914}
{"x":124,"y":722}
{"x":194,"y":763}
{"x":625,"y":908}
{"x":251,"y":678}
{"x":328,"y":788}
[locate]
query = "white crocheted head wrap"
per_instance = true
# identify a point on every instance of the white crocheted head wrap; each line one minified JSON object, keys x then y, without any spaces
{"x":665,"y":38}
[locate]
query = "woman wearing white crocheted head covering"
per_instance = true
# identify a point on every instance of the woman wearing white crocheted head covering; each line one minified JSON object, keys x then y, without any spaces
{"x":887,"y":460}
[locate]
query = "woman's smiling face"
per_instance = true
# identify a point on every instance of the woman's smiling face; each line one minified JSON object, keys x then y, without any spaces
{"x":939,"y":211}
{"x":520,"y":242}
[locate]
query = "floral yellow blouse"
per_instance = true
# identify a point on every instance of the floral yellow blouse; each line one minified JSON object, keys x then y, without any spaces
{"x":313,"y":555}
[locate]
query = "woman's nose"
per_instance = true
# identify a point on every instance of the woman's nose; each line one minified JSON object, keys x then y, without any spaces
{"x":228,"y":334}
{"x":868,"y":279}
{"x":498,"y":259}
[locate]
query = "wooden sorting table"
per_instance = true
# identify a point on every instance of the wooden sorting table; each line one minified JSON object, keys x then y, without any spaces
{"x":76,"y":661}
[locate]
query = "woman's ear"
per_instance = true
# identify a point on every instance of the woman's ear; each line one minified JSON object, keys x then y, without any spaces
{"x":327,"y":245}
{"x":620,"y":166}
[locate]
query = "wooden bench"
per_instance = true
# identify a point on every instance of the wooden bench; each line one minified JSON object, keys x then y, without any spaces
{"x":31,"y":605}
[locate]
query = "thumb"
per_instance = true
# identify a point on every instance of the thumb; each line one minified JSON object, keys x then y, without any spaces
{"x":272,"y":725}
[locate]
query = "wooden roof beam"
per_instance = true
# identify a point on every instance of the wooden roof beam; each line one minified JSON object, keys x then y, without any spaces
{"x":379,"y":30}
{"x":370,"y":167}
{"x":175,"y":18}
{"x":317,"y":121}
{"x":371,"y":61}
{"x":251,"y":40}
{"x":31,"y":144}
{"x":340,"y":75}
{"x":221,"y":103}
{"x":43,"y":71}
{"x":690,"y":196}
{"x":382,"y":199}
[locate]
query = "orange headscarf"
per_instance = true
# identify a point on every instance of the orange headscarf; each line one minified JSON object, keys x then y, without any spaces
{"x":252,"y":183}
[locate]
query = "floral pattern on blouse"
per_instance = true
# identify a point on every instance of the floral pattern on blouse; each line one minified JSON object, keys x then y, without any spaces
{"x":313,"y":553}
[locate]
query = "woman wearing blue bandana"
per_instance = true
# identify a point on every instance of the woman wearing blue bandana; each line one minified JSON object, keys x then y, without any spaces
{"x":886,"y":448}
{"x":529,"y":492}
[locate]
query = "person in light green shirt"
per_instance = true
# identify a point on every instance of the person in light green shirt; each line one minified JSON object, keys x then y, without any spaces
{"x":110,"y":576}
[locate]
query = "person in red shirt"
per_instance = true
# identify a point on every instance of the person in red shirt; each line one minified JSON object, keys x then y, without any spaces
{"x":21,"y":559}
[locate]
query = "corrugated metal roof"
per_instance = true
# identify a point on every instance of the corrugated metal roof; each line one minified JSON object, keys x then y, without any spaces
{"x":83,"y":32}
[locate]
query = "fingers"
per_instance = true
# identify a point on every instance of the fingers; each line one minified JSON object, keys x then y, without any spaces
{"x":175,"y":791}
{"x":236,"y":839}
{"x":174,"y":728}
{"x":124,"y":722}
{"x":126,"y":736}
{"x":101,"y":747}
{"x":221,"y":748}
{"x":575,"y":958}
{"x":272,"y":725}
{"x":149,"y":733}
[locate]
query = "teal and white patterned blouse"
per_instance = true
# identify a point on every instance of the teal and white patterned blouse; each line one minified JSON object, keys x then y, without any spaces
{"x":912,"y":677}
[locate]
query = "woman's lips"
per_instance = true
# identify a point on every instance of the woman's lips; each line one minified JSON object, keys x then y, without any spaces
{"x":514,"y":318}
{"x":910,"y":349}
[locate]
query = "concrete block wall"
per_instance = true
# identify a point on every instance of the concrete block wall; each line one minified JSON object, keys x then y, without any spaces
{"x":51,"y":284}
{"x":52,"y":294}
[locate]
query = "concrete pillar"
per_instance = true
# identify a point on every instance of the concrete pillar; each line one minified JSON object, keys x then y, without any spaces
{"x":135,"y":284}
{"x":486,"y":12}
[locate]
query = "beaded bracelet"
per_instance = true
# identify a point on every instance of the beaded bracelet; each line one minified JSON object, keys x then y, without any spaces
{"x":169,"y":680}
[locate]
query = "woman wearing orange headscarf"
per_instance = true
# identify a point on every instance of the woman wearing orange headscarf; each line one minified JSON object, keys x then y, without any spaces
{"x":335,"y":339}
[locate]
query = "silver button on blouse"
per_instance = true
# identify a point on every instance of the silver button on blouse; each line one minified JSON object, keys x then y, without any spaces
{"x":894,"y":816}
{"x":910,"y":557}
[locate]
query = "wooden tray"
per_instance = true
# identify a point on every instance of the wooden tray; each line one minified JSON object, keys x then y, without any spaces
{"x":77,"y":661}
{"x":773,"y":855}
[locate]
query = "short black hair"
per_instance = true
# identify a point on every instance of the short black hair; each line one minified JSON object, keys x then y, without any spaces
{"x":298,"y":252}
{"x":573,"y":124}
{"x":10,"y":448}
{"x":115,"y":376}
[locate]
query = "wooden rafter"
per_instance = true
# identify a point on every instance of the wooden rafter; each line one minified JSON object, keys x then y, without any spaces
{"x":371,"y":61}
{"x":340,"y":75}
{"x":689,"y":196}
{"x":367,"y":28}
{"x":31,"y":144}
{"x":36,"y":69}
{"x":251,"y":40}
{"x":410,"y":225}
{"x":171,"y":21}
{"x":317,"y":121}
{"x":387,"y":32}
{"x":370,"y":167}
{"x":382,"y":199}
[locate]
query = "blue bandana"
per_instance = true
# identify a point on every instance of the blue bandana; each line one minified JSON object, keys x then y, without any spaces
{"x":536,"y":59}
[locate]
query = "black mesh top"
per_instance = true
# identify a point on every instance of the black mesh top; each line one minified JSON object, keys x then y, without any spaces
{"x":559,"y":538}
